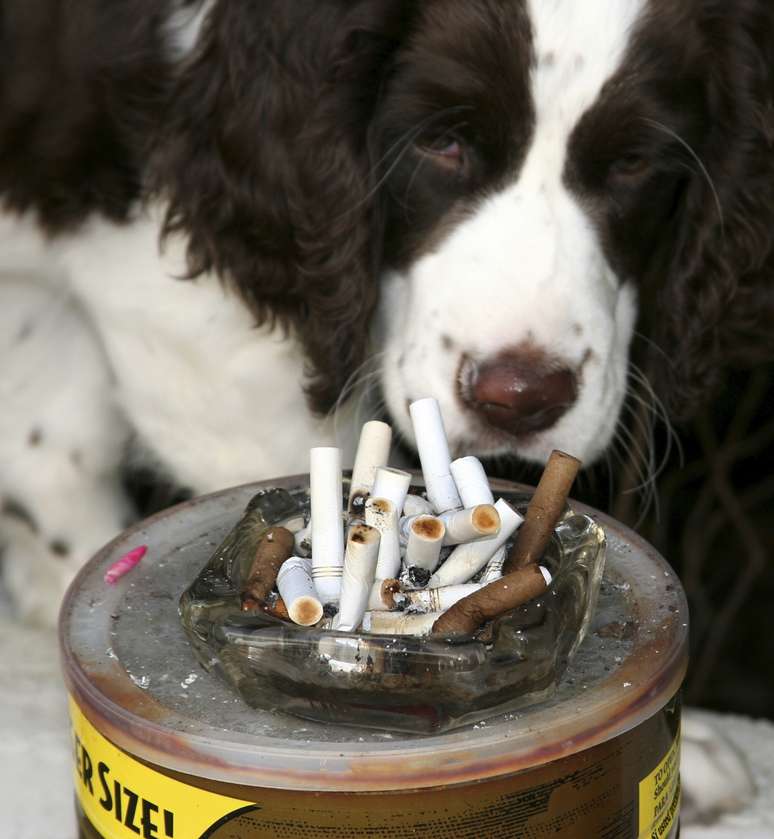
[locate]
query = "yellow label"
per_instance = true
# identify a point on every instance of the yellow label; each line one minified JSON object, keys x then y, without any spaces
{"x":593,"y":793}
{"x":659,"y":796}
{"x":124,"y":799}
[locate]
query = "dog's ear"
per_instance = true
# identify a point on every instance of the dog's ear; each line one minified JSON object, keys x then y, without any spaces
{"x":715,"y":293}
{"x":264,"y":164}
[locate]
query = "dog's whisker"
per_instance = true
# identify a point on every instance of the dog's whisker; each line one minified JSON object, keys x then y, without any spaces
{"x":660,"y":410}
{"x":661,"y":127}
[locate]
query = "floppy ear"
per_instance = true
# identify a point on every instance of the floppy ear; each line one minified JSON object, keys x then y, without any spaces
{"x":265,"y":167}
{"x":715,"y":307}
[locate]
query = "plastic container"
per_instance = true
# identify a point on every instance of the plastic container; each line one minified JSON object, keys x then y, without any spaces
{"x":165,"y":749}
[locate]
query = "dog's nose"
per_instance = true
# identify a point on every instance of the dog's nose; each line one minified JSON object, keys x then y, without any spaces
{"x":521,"y":391}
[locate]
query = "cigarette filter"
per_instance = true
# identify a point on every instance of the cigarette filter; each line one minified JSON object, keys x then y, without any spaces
{"x":479,"y":522}
{"x":440,"y":599}
{"x":434,"y":455}
{"x":327,"y":527}
{"x":296,"y":588}
{"x":424,"y":541}
{"x":358,"y":577}
{"x":467,"y":560}
{"x":398,"y":623}
{"x":373,"y":451}
{"x":385,"y":595}
{"x":472,"y":482}
{"x":415,"y":505}
{"x":381,"y":514}
{"x":494,"y":568}
{"x":392,"y":484}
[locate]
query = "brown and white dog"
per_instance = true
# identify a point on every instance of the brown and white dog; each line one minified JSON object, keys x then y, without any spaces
{"x":216,"y":214}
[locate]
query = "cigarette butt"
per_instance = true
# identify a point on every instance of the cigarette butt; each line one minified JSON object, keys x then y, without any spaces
{"x":373,"y":451}
{"x":381,"y":514}
{"x":494,"y":568}
{"x":392,"y":484}
{"x":359,"y":572}
{"x":491,"y":601}
{"x":468,"y":559}
{"x":385,"y":595}
{"x":397,"y":623}
{"x":439,"y":599}
{"x":433,"y":449}
{"x":327,"y":527}
{"x":415,"y":505}
{"x":296,"y":588}
{"x":274,"y":548}
{"x":425,"y":538}
{"x":544,"y":510}
{"x":472,"y":482}
{"x":479,"y":522}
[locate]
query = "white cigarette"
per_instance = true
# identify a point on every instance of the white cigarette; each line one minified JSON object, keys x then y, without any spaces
{"x":373,"y":451}
{"x":546,"y":574}
{"x":327,"y":527}
{"x":494,"y":568}
{"x":424,"y":541}
{"x":440,"y":599}
{"x":415,"y":505}
{"x":392,"y":484}
{"x":381,"y":514}
{"x":358,"y":577}
{"x":296,"y":588}
{"x":472,"y":482}
{"x":434,"y":455}
{"x":481,"y":522}
{"x":467,"y":560}
{"x":385,"y":595}
{"x":398,"y":623}
{"x":303,"y":540}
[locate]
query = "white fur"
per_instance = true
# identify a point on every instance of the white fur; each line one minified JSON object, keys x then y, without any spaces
{"x":214,"y":400}
{"x":527,"y":265}
{"x":184,"y":27}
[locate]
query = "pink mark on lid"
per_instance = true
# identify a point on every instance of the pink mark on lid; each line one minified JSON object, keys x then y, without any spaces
{"x":125,"y":564}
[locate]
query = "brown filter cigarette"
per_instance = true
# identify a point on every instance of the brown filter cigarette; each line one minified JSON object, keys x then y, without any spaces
{"x":276,"y":546}
{"x":491,"y":601}
{"x":543,"y":512}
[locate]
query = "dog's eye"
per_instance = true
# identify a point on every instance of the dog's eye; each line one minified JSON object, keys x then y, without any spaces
{"x":630,"y":168}
{"x":446,"y":151}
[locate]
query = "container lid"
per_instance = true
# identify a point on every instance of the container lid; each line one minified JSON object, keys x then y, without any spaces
{"x":129,"y":666}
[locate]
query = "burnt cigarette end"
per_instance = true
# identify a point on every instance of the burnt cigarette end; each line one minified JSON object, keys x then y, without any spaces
{"x":330,"y":610}
{"x":418,"y":577}
{"x":275,"y":547}
{"x":491,"y":601}
{"x":388,"y":591}
{"x":544,"y":511}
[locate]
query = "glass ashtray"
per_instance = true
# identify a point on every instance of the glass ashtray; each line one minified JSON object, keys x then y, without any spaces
{"x":399,"y":683}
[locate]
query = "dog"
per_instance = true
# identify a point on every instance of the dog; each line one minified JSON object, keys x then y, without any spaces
{"x":221,"y":217}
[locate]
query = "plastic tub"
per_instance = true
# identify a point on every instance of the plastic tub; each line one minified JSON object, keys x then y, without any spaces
{"x":164,"y":749}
